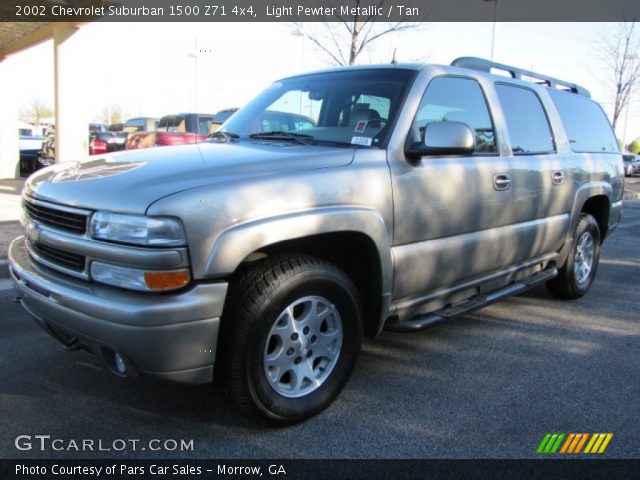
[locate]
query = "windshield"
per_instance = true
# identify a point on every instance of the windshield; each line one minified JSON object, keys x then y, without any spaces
{"x":356,"y":107}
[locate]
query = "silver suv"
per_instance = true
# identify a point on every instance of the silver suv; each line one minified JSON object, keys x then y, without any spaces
{"x":410,"y":195}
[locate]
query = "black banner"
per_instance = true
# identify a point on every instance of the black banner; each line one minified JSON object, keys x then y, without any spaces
{"x":318,"y":10}
{"x":320,"y":469}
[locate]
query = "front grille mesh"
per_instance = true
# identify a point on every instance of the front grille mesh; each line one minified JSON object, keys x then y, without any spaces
{"x":59,"y":257}
{"x":60,"y":219}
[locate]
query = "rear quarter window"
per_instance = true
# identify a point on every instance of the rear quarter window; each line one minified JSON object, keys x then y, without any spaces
{"x":587,"y":126}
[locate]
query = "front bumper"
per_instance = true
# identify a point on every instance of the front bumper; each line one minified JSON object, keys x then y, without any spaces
{"x":171,"y":336}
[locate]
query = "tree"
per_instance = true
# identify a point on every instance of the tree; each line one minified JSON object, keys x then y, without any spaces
{"x":620,"y":51}
{"x":36,"y":110}
{"x":634,"y":147}
{"x":343,"y":42}
{"x":112,"y":114}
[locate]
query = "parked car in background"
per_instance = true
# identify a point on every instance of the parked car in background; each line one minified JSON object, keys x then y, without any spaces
{"x":97,"y":127}
{"x":101,"y":141}
{"x":631,"y":164}
{"x":179,"y":129}
{"x":115,"y":138}
{"x":30,"y":149}
{"x":276,"y":121}
{"x":221,"y":117}
{"x":140,"y":124}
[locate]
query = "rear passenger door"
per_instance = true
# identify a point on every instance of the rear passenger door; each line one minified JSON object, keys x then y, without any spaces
{"x":539,"y":174}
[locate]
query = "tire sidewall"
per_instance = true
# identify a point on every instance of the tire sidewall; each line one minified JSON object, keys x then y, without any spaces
{"x":324,"y":283}
{"x":586,"y":224}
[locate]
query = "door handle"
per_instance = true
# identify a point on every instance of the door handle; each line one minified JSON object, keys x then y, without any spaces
{"x":558,"y":177}
{"x":501,"y":181}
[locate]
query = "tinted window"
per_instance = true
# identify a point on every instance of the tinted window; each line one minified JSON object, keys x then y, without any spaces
{"x":526,"y":120}
{"x":453,"y":99}
{"x":172,"y":123}
{"x":586,"y":124}
{"x":204,"y":124}
{"x":343,"y":108}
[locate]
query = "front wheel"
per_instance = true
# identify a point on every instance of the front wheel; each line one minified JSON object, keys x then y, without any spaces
{"x":291,"y":336}
{"x":578,"y":272}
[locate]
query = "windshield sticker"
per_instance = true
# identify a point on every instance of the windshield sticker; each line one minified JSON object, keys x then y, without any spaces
{"x":361,"y":126}
{"x":366,"y":141}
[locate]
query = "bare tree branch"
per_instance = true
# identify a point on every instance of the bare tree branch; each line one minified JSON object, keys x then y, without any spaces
{"x":344,"y":41}
{"x":621,"y":53}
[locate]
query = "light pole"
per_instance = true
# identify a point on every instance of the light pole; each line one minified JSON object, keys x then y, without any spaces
{"x":195,"y":55}
{"x":299,"y":32}
{"x":493,"y":30}
{"x":633,"y":59}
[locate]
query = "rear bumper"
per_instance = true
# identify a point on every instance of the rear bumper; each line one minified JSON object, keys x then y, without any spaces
{"x":168,"y":336}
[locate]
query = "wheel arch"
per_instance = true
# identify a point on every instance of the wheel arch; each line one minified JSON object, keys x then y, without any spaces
{"x":594,"y":198}
{"x":355,"y":239}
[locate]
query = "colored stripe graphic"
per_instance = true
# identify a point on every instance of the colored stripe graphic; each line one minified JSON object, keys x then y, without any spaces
{"x":581,"y":443}
{"x":594,"y":437}
{"x":550,"y":443}
{"x":573,"y":443}
{"x":565,"y":447}
{"x":555,"y":447}
{"x":543,"y":443}
{"x":599,"y":443}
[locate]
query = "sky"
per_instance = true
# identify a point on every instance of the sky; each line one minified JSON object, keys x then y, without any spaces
{"x":152,"y":69}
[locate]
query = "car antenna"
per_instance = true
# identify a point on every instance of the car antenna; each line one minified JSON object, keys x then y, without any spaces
{"x":393,"y":60}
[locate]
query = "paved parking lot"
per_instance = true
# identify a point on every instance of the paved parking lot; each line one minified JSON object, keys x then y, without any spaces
{"x":488,"y":385}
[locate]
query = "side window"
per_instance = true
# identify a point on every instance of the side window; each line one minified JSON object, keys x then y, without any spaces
{"x":454,"y":99}
{"x":204,"y":123}
{"x":585,"y":122}
{"x":527,"y":121}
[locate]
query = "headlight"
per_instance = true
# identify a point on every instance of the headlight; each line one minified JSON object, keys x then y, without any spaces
{"x":137,"y":229}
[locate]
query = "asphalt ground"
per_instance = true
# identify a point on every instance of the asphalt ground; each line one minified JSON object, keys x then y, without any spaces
{"x":488,"y":385}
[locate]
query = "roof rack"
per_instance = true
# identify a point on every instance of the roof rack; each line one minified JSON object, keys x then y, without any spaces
{"x":481,"y":64}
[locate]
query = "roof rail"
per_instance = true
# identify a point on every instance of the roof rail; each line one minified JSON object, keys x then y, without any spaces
{"x":481,"y":64}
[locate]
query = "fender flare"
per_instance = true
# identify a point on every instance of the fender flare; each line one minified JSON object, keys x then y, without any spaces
{"x":584,"y":193}
{"x":239,"y":241}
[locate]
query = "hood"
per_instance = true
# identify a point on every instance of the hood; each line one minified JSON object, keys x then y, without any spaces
{"x":131,"y":181}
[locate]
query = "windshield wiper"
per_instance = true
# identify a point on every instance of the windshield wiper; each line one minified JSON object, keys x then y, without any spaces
{"x":302,"y":138}
{"x":224,"y":137}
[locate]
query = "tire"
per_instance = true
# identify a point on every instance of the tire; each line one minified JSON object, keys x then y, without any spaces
{"x":290,"y":337}
{"x":576,"y":276}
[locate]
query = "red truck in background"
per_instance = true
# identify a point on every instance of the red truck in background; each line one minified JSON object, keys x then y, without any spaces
{"x":177,"y":129}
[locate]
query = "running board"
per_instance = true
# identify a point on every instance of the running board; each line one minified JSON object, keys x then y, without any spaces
{"x":475,"y":303}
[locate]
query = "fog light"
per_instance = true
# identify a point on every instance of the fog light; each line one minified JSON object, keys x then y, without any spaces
{"x":121,"y":367}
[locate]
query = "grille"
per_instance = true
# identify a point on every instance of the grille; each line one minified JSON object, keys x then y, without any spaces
{"x":58,"y":257}
{"x":60,"y":219}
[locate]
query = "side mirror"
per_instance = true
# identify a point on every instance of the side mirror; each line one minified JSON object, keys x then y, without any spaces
{"x":444,"y":138}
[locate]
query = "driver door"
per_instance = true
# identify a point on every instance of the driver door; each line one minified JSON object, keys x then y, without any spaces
{"x":451,"y":213}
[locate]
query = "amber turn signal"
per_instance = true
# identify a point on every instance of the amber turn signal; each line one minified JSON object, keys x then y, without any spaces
{"x":160,"y":281}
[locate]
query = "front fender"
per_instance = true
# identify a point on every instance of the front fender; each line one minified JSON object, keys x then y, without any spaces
{"x":238,"y":242}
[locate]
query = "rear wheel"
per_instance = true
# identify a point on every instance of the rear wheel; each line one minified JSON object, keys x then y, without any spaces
{"x":578,"y":272}
{"x":291,"y":336}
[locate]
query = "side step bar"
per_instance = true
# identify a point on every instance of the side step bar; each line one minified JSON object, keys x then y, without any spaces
{"x":475,"y":303}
